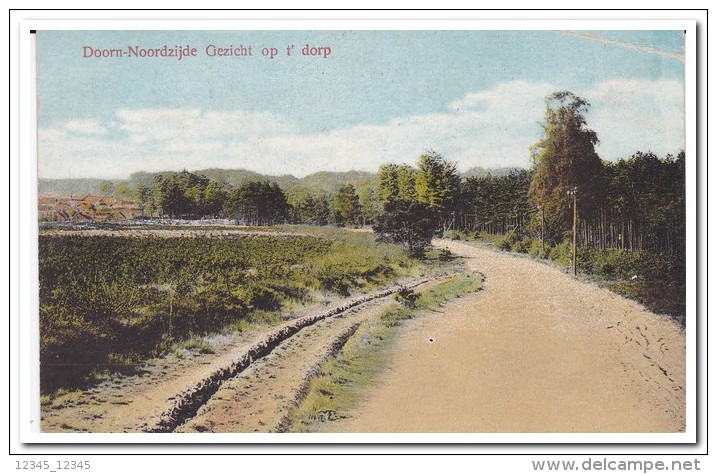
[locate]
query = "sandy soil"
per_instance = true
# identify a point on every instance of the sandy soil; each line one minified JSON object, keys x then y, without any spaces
{"x":257,"y":399}
{"x":535,"y":351}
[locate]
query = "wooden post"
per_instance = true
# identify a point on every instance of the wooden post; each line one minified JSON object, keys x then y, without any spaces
{"x":542,"y":231}
{"x":575,"y":230}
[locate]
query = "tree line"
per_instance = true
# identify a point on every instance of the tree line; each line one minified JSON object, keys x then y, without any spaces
{"x":637,"y":203}
{"x":187,"y":195}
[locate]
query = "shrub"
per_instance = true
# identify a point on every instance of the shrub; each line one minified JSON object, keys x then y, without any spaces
{"x":561,"y":254}
{"x":505,"y":244}
{"x":535,"y":248}
{"x":406,"y":297}
{"x":409,"y":223}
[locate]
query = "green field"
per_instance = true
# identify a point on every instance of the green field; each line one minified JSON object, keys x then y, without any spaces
{"x":108,"y":303}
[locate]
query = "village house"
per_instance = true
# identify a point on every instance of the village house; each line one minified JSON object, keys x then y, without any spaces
{"x":87,"y":208}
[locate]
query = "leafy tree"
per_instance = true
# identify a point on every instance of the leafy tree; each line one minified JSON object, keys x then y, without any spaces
{"x":277,"y":205}
{"x":396,"y":182}
{"x":105,"y":188}
{"x":183,"y":195}
{"x":387,"y":182}
{"x":169,"y":190}
{"x":122,"y":190}
{"x":257,"y":203}
{"x":214,"y":195}
{"x":143,"y":193}
{"x":407,"y":176}
{"x":368,"y":200}
{"x":494,"y":204}
{"x":409,"y":223}
{"x":345,"y":206}
{"x":310,"y":209}
{"x":307,"y":210}
{"x":565,"y":159}
{"x":645,"y":202}
{"x":438,"y":186}
{"x":321,"y":212}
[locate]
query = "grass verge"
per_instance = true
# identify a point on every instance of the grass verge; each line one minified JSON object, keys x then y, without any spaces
{"x":343,"y":381}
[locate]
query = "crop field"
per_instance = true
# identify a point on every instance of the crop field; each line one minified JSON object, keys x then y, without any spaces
{"x":109,"y":302}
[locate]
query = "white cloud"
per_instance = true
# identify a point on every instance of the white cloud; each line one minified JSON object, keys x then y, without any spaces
{"x":508,"y":101}
{"x":638,"y":115}
{"x":490,"y":128}
{"x":85,"y":127}
{"x":162,"y":124}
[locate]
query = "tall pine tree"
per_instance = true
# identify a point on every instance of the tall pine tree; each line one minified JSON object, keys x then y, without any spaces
{"x":564,"y":160}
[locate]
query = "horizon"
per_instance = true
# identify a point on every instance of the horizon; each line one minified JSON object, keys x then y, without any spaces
{"x":197,"y":171}
{"x":475,"y":97}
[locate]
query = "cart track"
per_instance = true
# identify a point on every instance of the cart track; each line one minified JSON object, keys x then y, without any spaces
{"x":172,"y":392}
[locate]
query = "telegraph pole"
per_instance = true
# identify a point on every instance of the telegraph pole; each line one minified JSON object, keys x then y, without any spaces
{"x":542,"y":230}
{"x":575,"y":230}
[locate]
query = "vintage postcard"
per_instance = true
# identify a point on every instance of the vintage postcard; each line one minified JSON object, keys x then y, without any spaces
{"x":316,"y":232}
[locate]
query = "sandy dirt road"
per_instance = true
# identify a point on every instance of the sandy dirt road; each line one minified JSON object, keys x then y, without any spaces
{"x":535,"y":351}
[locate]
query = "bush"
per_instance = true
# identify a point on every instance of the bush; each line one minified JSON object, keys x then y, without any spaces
{"x":406,"y":297}
{"x":656,"y":280}
{"x":460,"y":234}
{"x":445,"y":255}
{"x":453,"y":235}
{"x":526,"y":245}
{"x":409,"y":223}
{"x":535,"y":248}
{"x":561,"y":254}
{"x":505,"y":244}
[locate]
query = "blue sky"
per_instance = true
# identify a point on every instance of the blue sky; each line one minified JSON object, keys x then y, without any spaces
{"x":380,"y":96}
